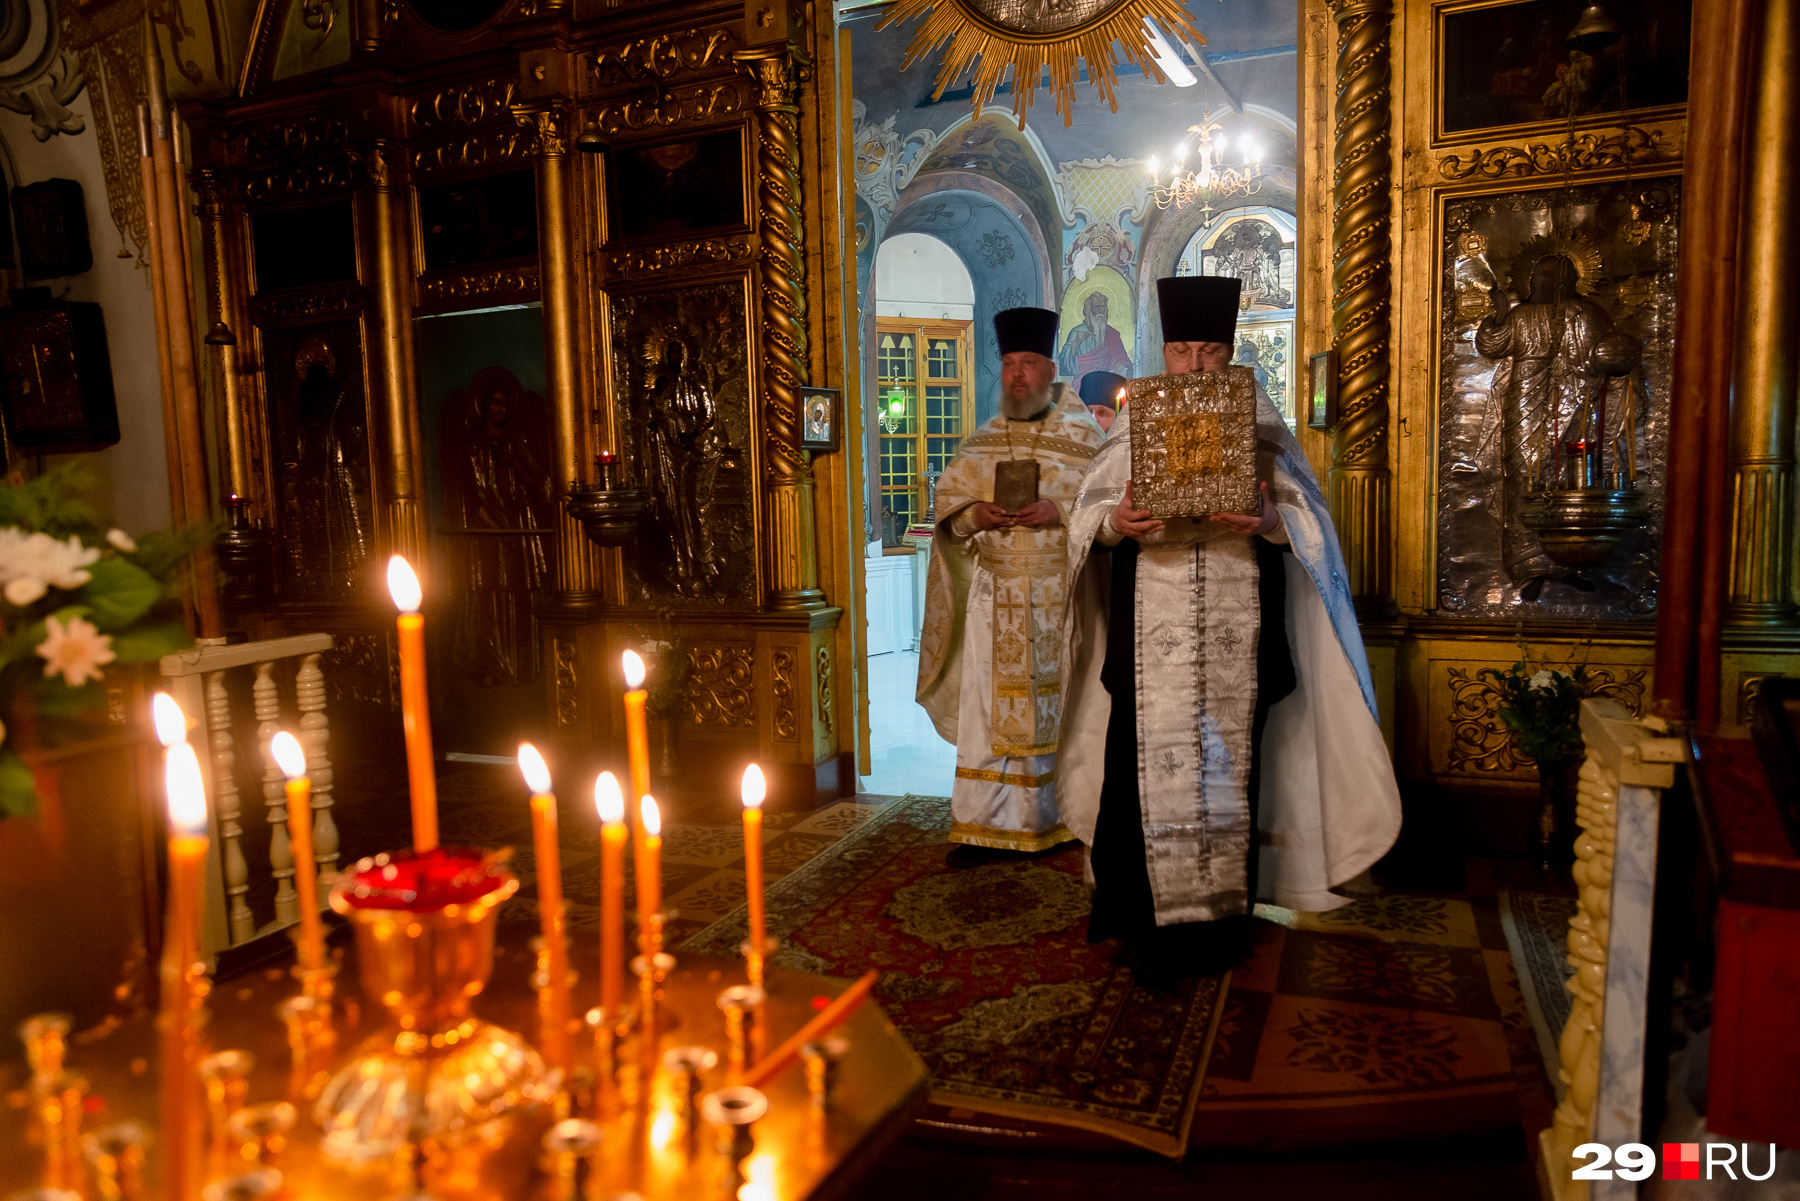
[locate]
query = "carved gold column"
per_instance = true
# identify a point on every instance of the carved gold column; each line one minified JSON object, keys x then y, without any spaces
{"x":781,"y":285}
{"x":393,"y":314}
{"x":548,"y":124}
{"x":1361,"y":301}
{"x":1762,"y":410}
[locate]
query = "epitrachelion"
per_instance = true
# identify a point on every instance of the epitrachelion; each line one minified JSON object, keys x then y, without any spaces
{"x":1193,"y":443}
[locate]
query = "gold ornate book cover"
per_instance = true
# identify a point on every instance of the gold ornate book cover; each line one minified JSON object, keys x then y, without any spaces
{"x":1015,"y":483}
{"x":1193,"y":443}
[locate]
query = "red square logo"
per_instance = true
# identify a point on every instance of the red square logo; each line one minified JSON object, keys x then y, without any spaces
{"x":1681,"y":1161}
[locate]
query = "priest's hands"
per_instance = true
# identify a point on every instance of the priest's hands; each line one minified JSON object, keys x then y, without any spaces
{"x":990,"y":516}
{"x":1251,"y":525}
{"x":1038,"y":515}
{"x":1134,"y":523}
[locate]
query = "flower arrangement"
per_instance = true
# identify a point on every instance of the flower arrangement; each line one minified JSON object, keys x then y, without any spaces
{"x":1542,"y":708}
{"x":79,"y":598}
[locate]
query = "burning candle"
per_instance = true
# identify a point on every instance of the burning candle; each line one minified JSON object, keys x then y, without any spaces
{"x":285,"y":749}
{"x":415,"y":706}
{"x":637,"y":732}
{"x":649,"y":883}
{"x":753,"y":792}
{"x":610,"y":803}
{"x":179,"y":1098}
{"x":555,"y":1035}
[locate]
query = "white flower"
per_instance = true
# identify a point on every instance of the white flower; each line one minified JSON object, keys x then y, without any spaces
{"x":1543,"y":681}
{"x":30,"y":564}
{"x":75,"y":651}
{"x":1085,"y":260}
{"x":121,"y":541}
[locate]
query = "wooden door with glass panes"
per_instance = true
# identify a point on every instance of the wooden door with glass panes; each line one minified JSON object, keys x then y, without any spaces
{"x":925,"y":375}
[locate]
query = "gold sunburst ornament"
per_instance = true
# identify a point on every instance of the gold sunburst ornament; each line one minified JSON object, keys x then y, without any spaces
{"x":995,"y":37}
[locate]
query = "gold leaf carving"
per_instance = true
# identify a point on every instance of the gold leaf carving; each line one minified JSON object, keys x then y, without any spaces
{"x":290,"y":183}
{"x":627,"y":263}
{"x":787,"y":723}
{"x":1589,"y":152}
{"x":476,"y":150}
{"x":824,"y":690}
{"x":674,"y":106}
{"x":303,"y":137}
{"x":721,"y":686}
{"x":506,"y":285}
{"x":567,"y":685}
{"x":266,"y":310}
{"x":1481,"y":742}
{"x":466,"y":104}
{"x":663,"y":56}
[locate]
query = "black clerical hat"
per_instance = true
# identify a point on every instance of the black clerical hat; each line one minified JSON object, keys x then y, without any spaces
{"x":1199,"y":308}
{"x":1101,"y":388}
{"x":1031,"y":330}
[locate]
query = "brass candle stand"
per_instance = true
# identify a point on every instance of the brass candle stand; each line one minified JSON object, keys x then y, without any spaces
{"x":352,"y":1112}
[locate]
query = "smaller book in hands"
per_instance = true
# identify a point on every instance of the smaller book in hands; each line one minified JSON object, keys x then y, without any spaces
{"x":1015,"y":483}
{"x":1193,"y":443}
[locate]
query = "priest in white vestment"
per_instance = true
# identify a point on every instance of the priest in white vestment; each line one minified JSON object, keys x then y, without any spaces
{"x":989,"y":652}
{"x":1221,"y":744}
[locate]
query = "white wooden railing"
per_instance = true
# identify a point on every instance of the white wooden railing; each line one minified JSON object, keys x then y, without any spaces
{"x":199,"y":679}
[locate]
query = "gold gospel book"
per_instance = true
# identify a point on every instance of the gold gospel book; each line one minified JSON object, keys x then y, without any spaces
{"x":1193,"y":443}
{"x":1015,"y":483}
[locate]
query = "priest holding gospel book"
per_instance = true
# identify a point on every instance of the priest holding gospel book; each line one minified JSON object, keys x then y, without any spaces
{"x":988,"y":653}
{"x":1215,"y":684}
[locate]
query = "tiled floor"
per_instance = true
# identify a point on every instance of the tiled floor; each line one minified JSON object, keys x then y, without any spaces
{"x":904,"y":748}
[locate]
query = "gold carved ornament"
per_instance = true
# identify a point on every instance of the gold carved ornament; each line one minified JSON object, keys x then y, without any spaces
{"x":720,"y":687}
{"x":1590,"y":152}
{"x":567,"y":683}
{"x":1480,"y":741}
{"x":824,"y":677}
{"x":998,"y":38}
{"x":787,"y":722}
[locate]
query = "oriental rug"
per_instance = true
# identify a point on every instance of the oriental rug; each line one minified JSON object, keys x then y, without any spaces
{"x":1537,"y":932}
{"x":989,"y":974}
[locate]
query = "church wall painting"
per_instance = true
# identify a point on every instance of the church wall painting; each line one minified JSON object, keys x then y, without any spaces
{"x":684,"y":414}
{"x":1503,"y":382}
{"x":677,"y":189}
{"x":1098,"y":326}
{"x":1510,"y":64}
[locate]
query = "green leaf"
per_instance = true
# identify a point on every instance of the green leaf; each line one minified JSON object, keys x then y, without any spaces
{"x":151,"y":642}
{"x":119,"y":593}
{"x":57,"y":699}
{"x":18,"y":789}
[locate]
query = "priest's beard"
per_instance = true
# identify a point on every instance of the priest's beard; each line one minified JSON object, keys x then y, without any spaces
{"x":1028,"y":407}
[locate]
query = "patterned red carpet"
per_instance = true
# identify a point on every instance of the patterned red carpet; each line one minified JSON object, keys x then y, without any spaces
{"x":1393,"y":1018}
{"x":989,"y":974}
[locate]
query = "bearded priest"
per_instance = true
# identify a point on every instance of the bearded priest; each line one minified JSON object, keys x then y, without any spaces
{"x":989,"y":650}
{"x":1222,"y":745}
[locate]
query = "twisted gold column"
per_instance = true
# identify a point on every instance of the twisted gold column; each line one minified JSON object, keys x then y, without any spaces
{"x":1762,"y":412}
{"x":393,"y":316}
{"x":547,"y":123}
{"x":1361,"y":302}
{"x":781,"y":284}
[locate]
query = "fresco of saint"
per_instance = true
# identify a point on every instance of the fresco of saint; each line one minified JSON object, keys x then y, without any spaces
{"x":1094,"y":345}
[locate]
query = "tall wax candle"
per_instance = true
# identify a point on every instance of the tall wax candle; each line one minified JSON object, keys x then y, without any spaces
{"x":753,"y":793}
{"x":178,"y":1086}
{"x":292,"y":760}
{"x":415,"y":705}
{"x":637,"y":731}
{"x":544,"y":840}
{"x":650,"y":877}
{"x":610,"y":803}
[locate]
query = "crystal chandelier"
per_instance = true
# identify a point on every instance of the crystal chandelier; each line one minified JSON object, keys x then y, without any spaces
{"x":1211,"y":179}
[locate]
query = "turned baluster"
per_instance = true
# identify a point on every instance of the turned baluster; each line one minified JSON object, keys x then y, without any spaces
{"x":228,"y":807}
{"x":315,"y":740}
{"x":281,"y":856}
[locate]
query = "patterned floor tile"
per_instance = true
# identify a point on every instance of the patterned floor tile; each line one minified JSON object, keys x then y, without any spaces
{"x":1415,"y":976}
{"x":712,"y":897}
{"x":1240,"y":1034}
{"x":1400,"y":917}
{"x":712,"y":845}
{"x":1311,"y":1046}
{"x":835,"y":821}
{"x":788,"y":850}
